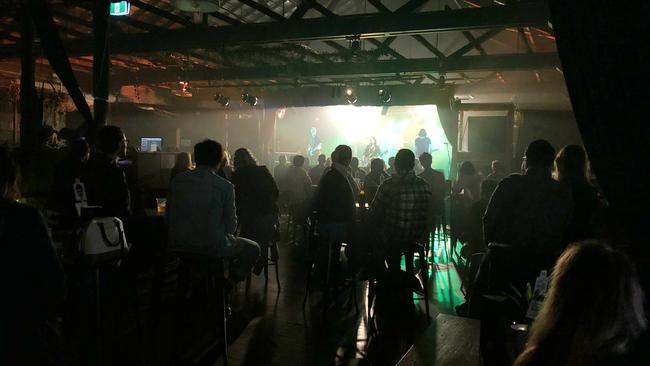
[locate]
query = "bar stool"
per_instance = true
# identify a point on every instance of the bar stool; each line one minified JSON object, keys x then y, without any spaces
{"x":211,"y":274}
{"x":272,"y":256}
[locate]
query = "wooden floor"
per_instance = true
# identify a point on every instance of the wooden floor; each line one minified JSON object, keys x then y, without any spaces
{"x":279,"y":332}
{"x":268,"y":325}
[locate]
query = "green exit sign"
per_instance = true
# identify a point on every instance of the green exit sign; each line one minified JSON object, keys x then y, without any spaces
{"x":120,"y":8}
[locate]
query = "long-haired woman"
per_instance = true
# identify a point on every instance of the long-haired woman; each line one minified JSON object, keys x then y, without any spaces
{"x":593,"y":313}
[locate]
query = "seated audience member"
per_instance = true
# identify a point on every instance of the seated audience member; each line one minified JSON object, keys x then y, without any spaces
{"x":256,"y":198}
{"x":335,"y":200}
{"x":401,"y":209}
{"x":391,"y":166}
{"x":357,"y":173}
{"x":436,"y":181}
{"x":225,"y":169}
{"x":473,"y":235}
{"x":498,"y":171}
{"x":374,"y":179}
{"x":201,"y":214}
{"x":183,"y":164}
{"x":32,"y":276}
{"x":316,"y":173}
{"x":106,"y":184}
{"x":530,"y":212}
{"x":572,"y":170}
{"x":589,"y":318}
{"x":62,"y":198}
{"x":468,"y":181}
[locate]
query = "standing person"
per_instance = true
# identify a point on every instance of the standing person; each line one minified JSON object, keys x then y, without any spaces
{"x":357,"y":173}
{"x":256,"y":198}
{"x":31,"y":276}
{"x":436,"y":181}
{"x":372,"y":151}
{"x":183,"y":164}
{"x":422,"y":143}
{"x":280,"y":169}
{"x":316,"y":172}
{"x":201,"y":214}
{"x":401,"y":210}
{"x":335,"y":201}
{"x":391,"y":166}
{"x":572,"y":169}
{"x":299,"y":191}
{"x":315,"y":146}
{"x":374,"y":179}
{"x":468,"y":182}
{"x":498,"y":171}
{"x":587,"y":318}
{"x":105,"y":182}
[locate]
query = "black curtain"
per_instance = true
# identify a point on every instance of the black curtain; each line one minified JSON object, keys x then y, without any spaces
{"x":604,"y":50}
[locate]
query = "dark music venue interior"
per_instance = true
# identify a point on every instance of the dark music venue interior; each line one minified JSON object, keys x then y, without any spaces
{"x":324,"y":182}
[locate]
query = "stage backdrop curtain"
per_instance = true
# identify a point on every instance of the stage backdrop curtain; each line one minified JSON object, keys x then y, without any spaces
{"x":603,"y":46}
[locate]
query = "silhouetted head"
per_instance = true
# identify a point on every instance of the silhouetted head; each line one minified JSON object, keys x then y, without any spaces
{"x":498,"y":167}
{"x":467,"y":168}
{"x":209,"y":153}
{"x":540,"y":154}
{"x":282,"y":159}
{"x":112,"y":141}
{"x":404,"y":161}
{"x":183,"y":161}
{"x":321,"y":159}
{"x":587,"y":314}
{"x":79,"y":150}
{"x":354,"y":163}
{"x":391,"y":161}
{"x":422,"y":133}
{"x":426,"y":160}
{"x":571,"y":164}
{"x":342,"y":155}
{"x":313,"y":131}
{"x":243,"y":158}
{"x":298,"y":161}
{"x":377,"y":165}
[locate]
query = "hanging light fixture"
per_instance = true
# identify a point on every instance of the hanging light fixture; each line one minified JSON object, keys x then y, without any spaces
{"x":223,"y":100}
{"x":350,"y":96}
{"x":249,"y":99}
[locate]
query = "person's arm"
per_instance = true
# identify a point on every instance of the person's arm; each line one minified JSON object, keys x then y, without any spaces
{"x":229,"y":211}
{"x":378,"y":205}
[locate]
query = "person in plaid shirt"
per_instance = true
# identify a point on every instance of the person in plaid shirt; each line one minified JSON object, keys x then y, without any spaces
{"x":401,"y":207}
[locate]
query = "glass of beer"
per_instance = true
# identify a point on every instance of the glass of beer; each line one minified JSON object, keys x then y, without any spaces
{"x":161,"y":205}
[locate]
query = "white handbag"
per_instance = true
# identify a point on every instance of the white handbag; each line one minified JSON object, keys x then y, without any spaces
{"x":103,"y":239}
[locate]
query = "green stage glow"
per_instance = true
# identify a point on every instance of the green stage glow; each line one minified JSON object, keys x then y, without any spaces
{"x":394,"y":127}
{"x":120,"y":8}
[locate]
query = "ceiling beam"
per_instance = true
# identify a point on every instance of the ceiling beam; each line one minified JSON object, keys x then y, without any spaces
{"x":343,"y":69}
{"x":263,"y":9}
{"x":162,"y":13}
{"x":366,"y":26}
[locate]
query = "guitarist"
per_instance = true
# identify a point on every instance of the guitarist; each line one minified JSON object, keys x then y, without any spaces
{"x":372,"y":151}
{"x":314,"y":148}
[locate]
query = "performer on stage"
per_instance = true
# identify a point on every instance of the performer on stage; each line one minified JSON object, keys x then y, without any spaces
{"x":314,"y":148}
{"x":372,"y":151}
{"x":422,"y":144}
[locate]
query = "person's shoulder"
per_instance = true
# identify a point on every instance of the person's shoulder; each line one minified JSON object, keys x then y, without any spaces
{"x":22,"y":213}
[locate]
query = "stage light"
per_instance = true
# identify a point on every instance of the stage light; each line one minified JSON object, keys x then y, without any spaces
{"x":350,"y":96}
{"x":223,"y":100}
{"x":384,"y":96}
{"x":249,"y":99}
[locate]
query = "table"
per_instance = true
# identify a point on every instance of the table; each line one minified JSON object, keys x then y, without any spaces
{"x":450,"y":340}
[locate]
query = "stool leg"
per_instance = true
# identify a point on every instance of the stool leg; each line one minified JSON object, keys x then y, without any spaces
{"x":224,"y":307}
{"x":309,"y":275}
{"x":425,"y":283}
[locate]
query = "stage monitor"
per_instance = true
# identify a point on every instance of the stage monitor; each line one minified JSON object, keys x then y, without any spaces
{"x":151,"y":144}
